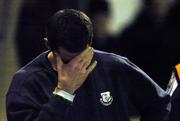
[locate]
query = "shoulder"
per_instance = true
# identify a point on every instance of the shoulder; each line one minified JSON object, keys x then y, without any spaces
{"x":112,"y":59}
{"x":109,"y":57}
{"x":27,"y":74}
{"x":117,"y":62}
{"x":22,"y":78}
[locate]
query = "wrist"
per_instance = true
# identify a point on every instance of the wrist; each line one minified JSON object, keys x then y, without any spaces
{"x":63,"y":94}
{"x":66,"y":89}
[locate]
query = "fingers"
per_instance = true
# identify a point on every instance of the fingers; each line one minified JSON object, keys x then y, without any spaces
{"x":59,"y":62}
{"x":91,"y":67}
{"x":88,"y":56}
{"x":87,"y":60}
{"x":82,"y":55}
{"x":83,"y":61}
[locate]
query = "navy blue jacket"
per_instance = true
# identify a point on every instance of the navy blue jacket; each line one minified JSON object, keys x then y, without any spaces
{"x":30,"y":97}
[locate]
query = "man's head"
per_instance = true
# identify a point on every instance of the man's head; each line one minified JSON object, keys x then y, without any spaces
{"x":69,"y":29}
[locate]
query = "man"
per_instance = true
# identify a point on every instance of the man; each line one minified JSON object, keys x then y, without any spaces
{"x":72,"y":81}
{"x":99,"y":11}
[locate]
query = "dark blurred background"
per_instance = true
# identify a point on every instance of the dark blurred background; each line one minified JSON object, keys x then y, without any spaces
{"x":145,"y":31}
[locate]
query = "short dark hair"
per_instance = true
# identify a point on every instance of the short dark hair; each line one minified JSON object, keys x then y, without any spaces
{"x":70,"y":29}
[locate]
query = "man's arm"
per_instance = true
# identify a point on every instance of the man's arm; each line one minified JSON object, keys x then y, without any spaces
{"x":26,"y":100}
{"x":22,"y":108}
{"x":150,"y":100}
{"x":70,"y":77}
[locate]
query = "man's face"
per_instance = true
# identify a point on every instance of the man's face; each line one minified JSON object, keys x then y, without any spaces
{"x":66,"y":56}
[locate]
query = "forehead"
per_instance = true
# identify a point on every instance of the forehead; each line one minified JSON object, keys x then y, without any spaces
{"x":66,"y":55}
{"x":66,"y":52}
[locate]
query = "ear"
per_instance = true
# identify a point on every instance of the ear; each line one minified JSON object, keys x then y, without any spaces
{"x":46,"y":43}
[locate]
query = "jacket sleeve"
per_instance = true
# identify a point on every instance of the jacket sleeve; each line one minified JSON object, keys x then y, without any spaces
{"x":151,"y":101}
{"x":20,"y":108}
{"x":30,"y":99}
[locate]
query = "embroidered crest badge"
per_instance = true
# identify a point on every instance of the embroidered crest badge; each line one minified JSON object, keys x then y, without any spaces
{"x":106,"y":98}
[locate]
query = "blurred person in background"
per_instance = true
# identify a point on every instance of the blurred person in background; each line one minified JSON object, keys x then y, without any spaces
{"x":100,"y":14}
{"x":30,"y":29}
{"x":152,"y":40}
{"x":170,"y":50}
{"x":173,"y":90}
